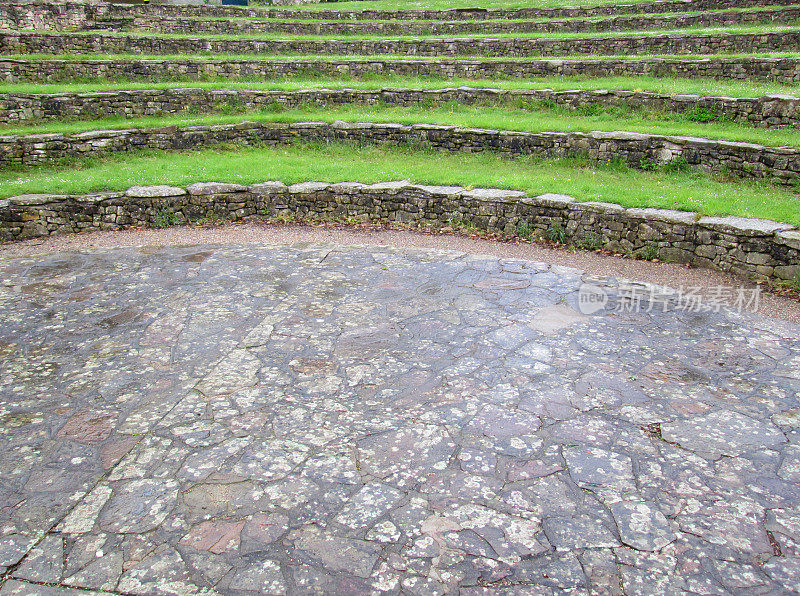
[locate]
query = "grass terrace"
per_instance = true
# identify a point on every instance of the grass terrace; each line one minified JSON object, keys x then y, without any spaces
{"x":207,"y":55}
{"x":321,"y":19}
{"x":709,"y":87}
{"x":613,"y":182}
{"x":522,"y":35}
{"x":526,"y":117}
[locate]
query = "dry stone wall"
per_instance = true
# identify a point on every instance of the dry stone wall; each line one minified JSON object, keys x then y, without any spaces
{"x":782,"y":70}
{"x":36,"y":14}
{"x":780,"y":164}
{"x":234,"y":26}
{"x":47,"y":16}
{"x":748,"y":247}
{"x":658,"y":7}
{"x":763,"y":112}
{"x":674,"y":43}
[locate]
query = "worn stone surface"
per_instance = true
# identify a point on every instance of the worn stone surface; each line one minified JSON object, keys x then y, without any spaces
{"x":722,"y":433}
{"x":316,"y":419}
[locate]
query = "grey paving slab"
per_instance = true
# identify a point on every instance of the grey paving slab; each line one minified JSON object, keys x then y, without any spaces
{"x":320,"y":419}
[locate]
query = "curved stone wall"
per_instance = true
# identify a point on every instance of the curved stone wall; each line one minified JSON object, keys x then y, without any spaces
{"x":586,"y":11}
{"x":764,"y":112}
{"x":674,"y":43}
{"x":35,"y":14}
{"x":234,"y":26}
{"x":748,"y":247}
{"x":780,"y":164}
{"x":782,"y":70}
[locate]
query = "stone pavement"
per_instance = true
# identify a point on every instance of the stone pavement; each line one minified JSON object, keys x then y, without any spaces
{"x":313,"y":419}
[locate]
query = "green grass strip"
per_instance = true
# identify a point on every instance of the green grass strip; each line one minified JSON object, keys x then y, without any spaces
{"x":212,"y":57}
{"x":533,"y":117}
{"x":270,"y":36}
{"x":615,"y":183}
{"x":708,"y":87}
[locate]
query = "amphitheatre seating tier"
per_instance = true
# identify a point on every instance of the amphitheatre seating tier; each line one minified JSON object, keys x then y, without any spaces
{"x":783,"y":15}
{"x":747,"y":160}
{"x":754,"y":248}
{"x":762,"y":112}
{"x":468,"y":14}
{"x":745,"y":68}
{"x":38,"y":14}
{"x":672,"y":43}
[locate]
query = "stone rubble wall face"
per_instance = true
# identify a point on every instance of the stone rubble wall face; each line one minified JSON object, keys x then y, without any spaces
{"x":752,"y":248}
{"x":780,"y":164}
{"x":782,"y":70}
{"x":49,"y":16}
{"x":35,"y":14}
{"x":762,"y":112}
{"x":677,"y":43}
{"x":235,"y":26}
{"x":496,"y":13}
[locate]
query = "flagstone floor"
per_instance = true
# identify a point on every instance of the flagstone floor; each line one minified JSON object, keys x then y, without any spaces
{"x":314,"y":419}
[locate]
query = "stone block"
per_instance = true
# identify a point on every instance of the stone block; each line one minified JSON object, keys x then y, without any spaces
{"x":394,"y":187}
{"x":308,"y":187}
{"x":598,"y":207}
{"x":214,"y":188}
{"x":665,"y":215}
{"x":742,"y":226}
{"x":35,"y":199}
{"x":493,"y":194}
{"x":758,"y":258}
{"x":555,"y":200}
{"x":268,"y":188}
{"x":453,"y":192}
{"x":706,"y":251}
{"x":790,"y":238}
{"x":786,"y":271}
{"x":347,"y":188}
{"x":155,"y":191}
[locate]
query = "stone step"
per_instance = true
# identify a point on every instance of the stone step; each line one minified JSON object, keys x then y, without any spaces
{"x":781,"y":165}
{"x":666,"y":43}
{"x":75,"y":14}
{"x":234,"y":26}
{"x":459,"y":14}
{"x":746,"y":68}
{"x":762,"y":112}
